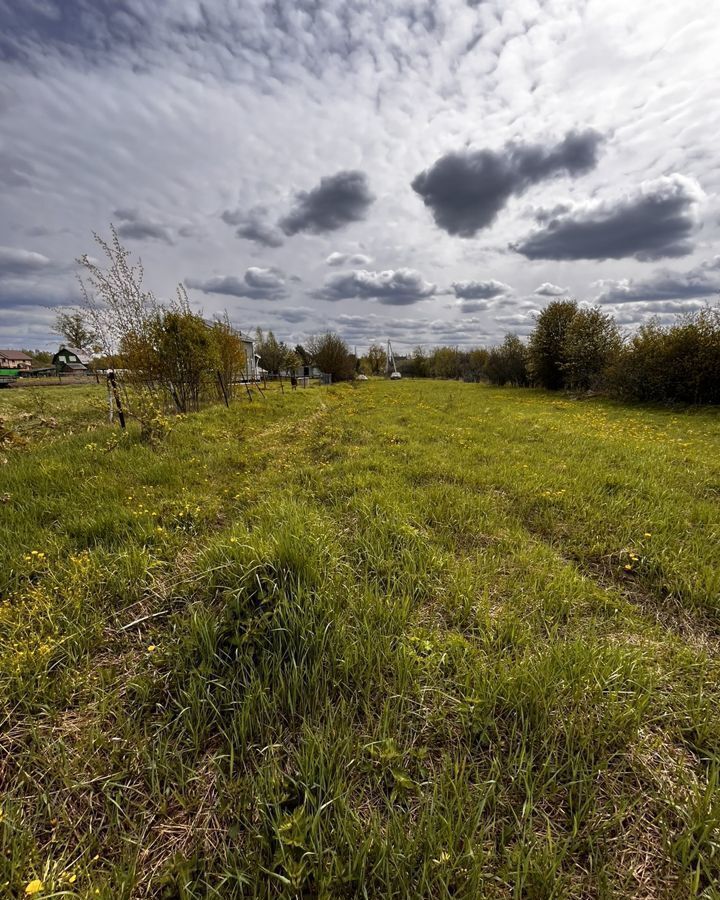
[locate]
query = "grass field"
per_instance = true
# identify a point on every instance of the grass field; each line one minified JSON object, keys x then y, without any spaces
{"x":391,"y":640}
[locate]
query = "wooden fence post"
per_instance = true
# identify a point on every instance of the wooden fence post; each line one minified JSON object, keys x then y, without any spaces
{"x":222,"y":388}
{"x":113,"y":385}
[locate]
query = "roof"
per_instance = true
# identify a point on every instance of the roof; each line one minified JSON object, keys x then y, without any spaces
{"x":81,"y":354}
{"x":15,"y":354}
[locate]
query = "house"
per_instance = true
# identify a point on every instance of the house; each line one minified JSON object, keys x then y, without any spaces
{"x":69,"y":360}
{"x":252,"y":368}
{"x":15,"y":359}
{"x":307,"y":372}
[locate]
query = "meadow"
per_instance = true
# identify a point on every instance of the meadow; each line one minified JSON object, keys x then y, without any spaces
{"x":389,"y":639}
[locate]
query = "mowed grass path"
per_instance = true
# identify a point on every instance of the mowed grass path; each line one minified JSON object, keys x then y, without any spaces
{"x":416,"y":639}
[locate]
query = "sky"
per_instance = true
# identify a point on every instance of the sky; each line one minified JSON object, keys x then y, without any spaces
{"x":425,"y":171}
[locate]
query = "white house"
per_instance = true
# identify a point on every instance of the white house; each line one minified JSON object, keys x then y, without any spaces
{"x":251,"y":359}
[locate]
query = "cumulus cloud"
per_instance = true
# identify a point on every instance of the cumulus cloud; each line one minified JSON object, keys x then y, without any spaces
{"x":16,"y":261}
{"x":338,"y":200}
{"x":702,"y":281}
{"x":253,"y":225}
{"x":393,"y":287}
{"x":135,"y":226}
{"x":466,"y":189}
{"x":655,"y":220}
{"x":256,"y":284}
{"x":348,"y":259}
{"x":548,"y":289}
{"x":480,"y":290}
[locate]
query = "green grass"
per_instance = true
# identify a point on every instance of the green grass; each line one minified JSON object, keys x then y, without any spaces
{"x":416,"y":639}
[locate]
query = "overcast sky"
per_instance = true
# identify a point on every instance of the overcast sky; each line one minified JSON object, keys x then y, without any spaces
{"x":432,"y":171}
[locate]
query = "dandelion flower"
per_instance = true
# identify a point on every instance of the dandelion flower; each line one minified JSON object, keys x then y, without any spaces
{"x":647,"y":534}
{"x":628,"y":567}
{"x":152,"y":648}
{"x":34,"y":887}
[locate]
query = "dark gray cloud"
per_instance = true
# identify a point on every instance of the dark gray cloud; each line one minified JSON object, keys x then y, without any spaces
{"x":338,"y":200}
{"x":256,"y":284}
{"x":253,"y":225}
{"x":655,"y":221}
{"x":393,"y":287}
{"x":348,"y":259}
{"x":19,"y":296}
{"x":700,"y":282}
{"x":135,"y":226}
{"x":548,"y":289}
{"x":296,"y":314}
{"x":466,"y":189}
{"x":16,"y":261}
{"x":480,"y":290}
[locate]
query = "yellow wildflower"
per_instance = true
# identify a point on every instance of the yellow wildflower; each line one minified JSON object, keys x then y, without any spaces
{"x":34,"y":887}
{"x":647,"y":534}
{"x":152,"y":648}
{"x":628,"y":567}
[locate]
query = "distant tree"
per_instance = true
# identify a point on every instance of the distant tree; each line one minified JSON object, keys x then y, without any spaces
{"x":508,"y":363}
{"x":546,"y":349}
{"x":592,"y":341}
{"x":475,"y":362}
{"x":377,"y":359}
{"x":331,"y":354}
{"x":74,"y":328}
{"x":445,"y":362}
{"x":302,"y":355}
{"x":275,"y":355}
{"x":41,"y":357}
{"x":416,"y":365}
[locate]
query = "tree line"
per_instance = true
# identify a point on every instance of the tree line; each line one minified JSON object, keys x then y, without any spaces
{"x":582,"y":349}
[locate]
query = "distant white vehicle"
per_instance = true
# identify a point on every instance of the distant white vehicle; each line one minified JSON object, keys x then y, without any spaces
{"x":395,"y":375}
{"x":362,"y":378}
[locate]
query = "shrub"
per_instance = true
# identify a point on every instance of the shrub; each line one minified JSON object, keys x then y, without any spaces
{"x":331,"y":354}
{"x":446,"y":362}
{"x":592,"y":341}
{"x":678,"y":363}
{"x":507,"y":364}
{"x":416,"y":365}
{"x":168,"y":355}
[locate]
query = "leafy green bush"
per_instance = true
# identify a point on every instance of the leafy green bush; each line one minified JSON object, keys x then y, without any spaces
{"x":679,"y":363}
{"x":592,"y":340}
{"x":507,"y":364}
{"x":547,"y":356}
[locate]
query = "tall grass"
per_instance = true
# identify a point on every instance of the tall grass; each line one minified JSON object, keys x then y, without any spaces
{"x":398,"y":640}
